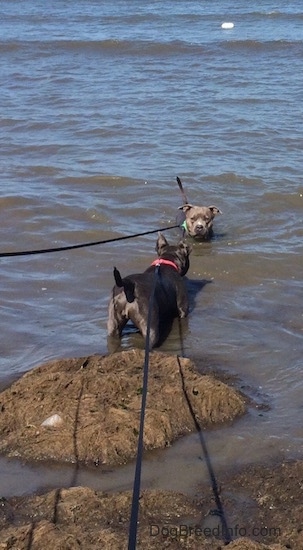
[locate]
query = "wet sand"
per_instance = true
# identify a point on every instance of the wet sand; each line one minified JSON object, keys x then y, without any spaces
{"x":258,"y":508}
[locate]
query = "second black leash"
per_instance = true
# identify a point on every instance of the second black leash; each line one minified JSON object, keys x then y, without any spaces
{"x":83,"y":245}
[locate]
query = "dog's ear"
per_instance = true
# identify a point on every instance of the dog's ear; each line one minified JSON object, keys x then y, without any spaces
{"x":214,"y":210}
{"x":185,"y":207}
{"x":161,"y":243}
{"x":185,"y":246}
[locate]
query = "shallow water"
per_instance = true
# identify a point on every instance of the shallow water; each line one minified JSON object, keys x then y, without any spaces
{"x":102,"y":106}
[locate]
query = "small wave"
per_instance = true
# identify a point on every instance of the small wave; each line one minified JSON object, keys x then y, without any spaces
{"x":141,"y":47}
{"x":9,"y":47}
{"x":266,"y":45}
{"x":297,"y":16}
{"x":109,"y":46}
{"x":147,"y":48}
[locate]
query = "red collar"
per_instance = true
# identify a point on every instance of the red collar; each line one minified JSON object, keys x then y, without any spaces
{"x":161,"y":261}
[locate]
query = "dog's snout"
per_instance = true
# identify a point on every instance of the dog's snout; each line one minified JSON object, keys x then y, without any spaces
{"x":200,"y":228}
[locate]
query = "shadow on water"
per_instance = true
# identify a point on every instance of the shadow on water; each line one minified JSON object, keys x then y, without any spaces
{"x":194,"y":287}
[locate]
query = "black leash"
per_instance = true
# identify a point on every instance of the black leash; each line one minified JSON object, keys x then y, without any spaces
{"x":137,"y":480}
{"x":83,"y":245}
{"x":181,"y":338}
{"x":214,"y":485}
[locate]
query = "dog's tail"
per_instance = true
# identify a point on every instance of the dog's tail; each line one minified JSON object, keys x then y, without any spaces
{"x":184,"y":197}
{"x":118,"y":278}
{"x":127,"y":285}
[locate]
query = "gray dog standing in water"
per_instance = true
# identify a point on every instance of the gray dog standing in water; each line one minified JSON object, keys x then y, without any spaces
{"x":196,"y":221}
{"x":131,"y":294}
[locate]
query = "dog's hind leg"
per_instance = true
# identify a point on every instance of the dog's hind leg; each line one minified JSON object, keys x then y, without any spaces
{"x":153,"y":331}
{"x":182,"y":303}
{"x":116,"y":320}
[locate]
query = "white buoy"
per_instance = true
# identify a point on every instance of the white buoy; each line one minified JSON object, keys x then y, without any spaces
{"x":54,"y":421}
{"x":227,"y":25}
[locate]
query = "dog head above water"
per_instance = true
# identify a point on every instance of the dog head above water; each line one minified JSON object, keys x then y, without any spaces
{"x":178,"y":254}
{"x":198,"y":221}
